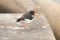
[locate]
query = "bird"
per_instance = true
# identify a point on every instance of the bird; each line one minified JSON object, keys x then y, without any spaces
{"x":27,"y":18}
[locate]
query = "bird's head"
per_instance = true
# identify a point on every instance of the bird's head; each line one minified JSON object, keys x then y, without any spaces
{"x":33,"y":13}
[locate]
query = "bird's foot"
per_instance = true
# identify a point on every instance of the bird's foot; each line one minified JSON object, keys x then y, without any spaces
{"x":26,"y":27}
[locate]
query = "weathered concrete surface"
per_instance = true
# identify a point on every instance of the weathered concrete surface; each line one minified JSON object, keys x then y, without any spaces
{"x":51,"y":10}
{"x":39,"y":29}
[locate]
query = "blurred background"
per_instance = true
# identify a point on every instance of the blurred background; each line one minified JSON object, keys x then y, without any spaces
{"x":51,"y":9}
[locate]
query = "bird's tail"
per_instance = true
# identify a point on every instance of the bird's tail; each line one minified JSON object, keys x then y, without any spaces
{"x":18,"y":20}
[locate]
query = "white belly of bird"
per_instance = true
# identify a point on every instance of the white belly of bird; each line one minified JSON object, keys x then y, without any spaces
{"x":27,"y":21}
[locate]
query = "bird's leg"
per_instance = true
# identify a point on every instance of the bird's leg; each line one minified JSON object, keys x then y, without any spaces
{"x":25,"y":25}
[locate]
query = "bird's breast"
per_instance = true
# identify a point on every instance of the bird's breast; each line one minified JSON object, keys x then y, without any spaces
{"x":28,"y":20}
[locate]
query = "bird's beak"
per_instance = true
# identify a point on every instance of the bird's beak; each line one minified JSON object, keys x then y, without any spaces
{"x":35,"y":14}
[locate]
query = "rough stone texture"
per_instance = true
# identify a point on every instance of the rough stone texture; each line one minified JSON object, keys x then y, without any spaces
{"x":39,"y":28}
{"x":52,"y":13}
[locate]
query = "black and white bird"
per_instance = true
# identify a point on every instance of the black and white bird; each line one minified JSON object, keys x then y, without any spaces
{"x":27,"y":18}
